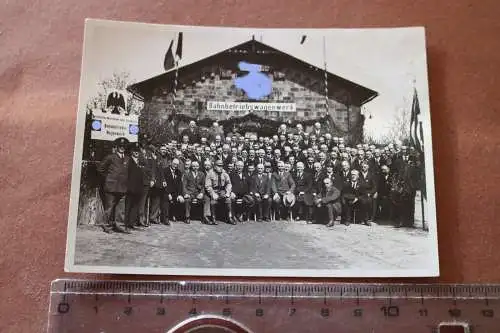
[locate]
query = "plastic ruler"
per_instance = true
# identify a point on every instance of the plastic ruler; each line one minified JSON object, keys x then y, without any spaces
{"x":87,"y":306}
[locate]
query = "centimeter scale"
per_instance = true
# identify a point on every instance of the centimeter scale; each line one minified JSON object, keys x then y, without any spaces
{"x":86,"y":306}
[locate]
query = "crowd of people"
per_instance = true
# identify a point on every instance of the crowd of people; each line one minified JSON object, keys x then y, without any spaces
{"x":295,"y":174}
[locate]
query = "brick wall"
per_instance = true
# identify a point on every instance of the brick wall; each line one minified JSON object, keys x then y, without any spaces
{"x":296,"y":87}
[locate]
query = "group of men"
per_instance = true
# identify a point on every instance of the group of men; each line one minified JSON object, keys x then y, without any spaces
{"x":294,"y":174}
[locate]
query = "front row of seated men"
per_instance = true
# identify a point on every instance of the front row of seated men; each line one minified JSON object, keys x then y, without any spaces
{"x":241,"y":196}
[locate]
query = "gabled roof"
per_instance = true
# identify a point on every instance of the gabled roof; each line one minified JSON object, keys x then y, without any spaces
{"x":254,"y":51}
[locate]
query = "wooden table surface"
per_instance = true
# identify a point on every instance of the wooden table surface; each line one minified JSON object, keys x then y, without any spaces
{"x":40,"y":54}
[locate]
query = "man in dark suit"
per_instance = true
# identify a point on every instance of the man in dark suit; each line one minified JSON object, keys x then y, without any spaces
{"x":282,"y":185}
{"x":330,"y":198}
{"x":173,"y":194}
{"x":193,"y":188}
{"x":147,"y":162}
{"x":369,"y":182}
{"x":345,"y":172}
{"x":317,"y":179}
{"x":114,"y":169}
{"x":260,"y":189}
{"x":192,"y":132}
{"x":240,"y":198}
{"x":135,"y":188}
{"x":382,"y":197}
{"x":303,"y":193}
{"x":352,"y":193}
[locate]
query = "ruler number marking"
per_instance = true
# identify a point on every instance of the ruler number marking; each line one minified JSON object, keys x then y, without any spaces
{"x":357,"y":313}
{"x":227,"y":312}
{"x":423,"y":312}
{"x":325,"y":312}
{"x":63,"y":307}
{"x":259,"y":312}
{"x":390,"y":311}
{"x":160,"y":311}
{"x":292,"y":311}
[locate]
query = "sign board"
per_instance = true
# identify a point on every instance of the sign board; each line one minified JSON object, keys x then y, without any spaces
{"x":250,"y":106}
{"x":108,"y":127}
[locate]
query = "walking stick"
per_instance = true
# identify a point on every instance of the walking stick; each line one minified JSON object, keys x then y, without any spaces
{"x":147,"y":211}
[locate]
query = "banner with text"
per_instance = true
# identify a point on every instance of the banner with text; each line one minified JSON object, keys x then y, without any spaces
{"x":108,"y":127}
{"x":250,"y":106}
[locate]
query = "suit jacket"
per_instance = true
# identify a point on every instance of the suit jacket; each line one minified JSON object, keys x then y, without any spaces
{"x":174,"y":182}
{"x":240,"y":186}
{"x":135,"y":183}
{"x":282,"y":184}
{"x":115,"y":172}
{"x":369,"y":182}
{"x":260,"y":160}
{"x":260,"y":185}
{"x":384,"y":185}
{"x":331,"y":195}
{"x":162,"y":164}
{"x":147,"y":164}
{"x":194,"y":136}
{"x":193,"y":185}
{"x":317,"y":182}
{"x":345,"y":177}
{"x":337,"y":181}
{"x":349,"y":192}
{"x":303,"y":183}
{"x":212,"y":184}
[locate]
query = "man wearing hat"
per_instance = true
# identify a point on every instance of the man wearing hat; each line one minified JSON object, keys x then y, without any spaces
{"x":240,"y":188}
{"x":329,"y":198}
{"x":218,"y":189}
{"x":303,"y":193}
{"x":283,"y":188}
{"x":148,"y":162}
{"x":135,"y":188}
{"x":260,"y":189}
{"x":114,"y":169}
{"x":193,"y":188}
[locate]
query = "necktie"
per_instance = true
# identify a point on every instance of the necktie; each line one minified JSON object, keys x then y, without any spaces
{"x":219,"y":181}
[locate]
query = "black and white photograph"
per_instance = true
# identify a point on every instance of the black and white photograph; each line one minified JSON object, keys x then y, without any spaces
{"x":253,"y":152}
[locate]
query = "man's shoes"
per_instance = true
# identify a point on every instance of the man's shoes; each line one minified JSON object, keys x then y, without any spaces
{"x":347,"y":223}
{"x":259,"y":219}
{"x":119,"y":229}
{"x":367,"y":223}
{"x":107,"y":229}
{"x":166,"y":222}
{"x":330,"y":224}
{"x":188,"y":220}
{"x":297,"y":218}
{"x":206,"y":220}
{"x":213,"y":221}
{"x":232,"y":220}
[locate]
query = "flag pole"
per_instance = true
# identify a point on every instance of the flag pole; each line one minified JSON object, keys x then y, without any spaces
{"x":326,"y":75}
{"x":422,"y":207}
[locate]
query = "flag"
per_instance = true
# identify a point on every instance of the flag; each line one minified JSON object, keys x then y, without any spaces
{"x":416,"y":139}
{"x":169,"y":61}
{"x":178,"y":50}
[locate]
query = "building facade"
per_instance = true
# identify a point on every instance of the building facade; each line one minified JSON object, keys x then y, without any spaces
{"x":185,"y":93}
